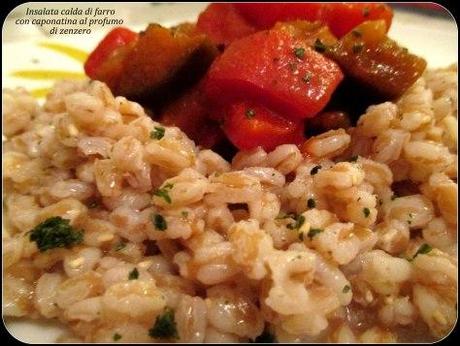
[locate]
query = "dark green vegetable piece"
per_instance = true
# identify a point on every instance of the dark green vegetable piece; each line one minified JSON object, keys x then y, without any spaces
{"x":165,"y":326}
{"x":315,"y":170}
{"x":423,"y":249}
{"x":299,"y":52}
{"x":121,"y":245}
{"x":55,"y":232}
{"x":157,"y":133}
{"x":164,"y":193}
{"x":159,"y":222}
{"x":299,"y":221}
{"x":366,"y":212}
{"x":314,"y":231}
{"x":133,"y":275}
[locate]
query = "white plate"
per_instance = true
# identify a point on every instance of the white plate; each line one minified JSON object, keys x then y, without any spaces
{"x":432,"y":37}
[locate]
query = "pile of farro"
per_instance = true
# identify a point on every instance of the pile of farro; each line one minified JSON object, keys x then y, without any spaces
{"x":168,"y":242}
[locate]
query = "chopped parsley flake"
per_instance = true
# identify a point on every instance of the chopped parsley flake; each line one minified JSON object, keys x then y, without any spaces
{"x":116,"y":337}
{"x":184,"y":213}
{"x":299,"y":52}
{"x":55,"y":232}
{"x":157,"y":133}
{"x":366,"y":212}
{"x":250,"y":113}
{"x":121,"y":245}
{"x":423,"y":249}
{"x":301,"y":236}
{"x":319,"y":46}
{"x":133,"y":274}
{"x":315,"y":170}
{"x":299,"y":221}
{"x":164,"y":193}
{"x":159,"y":222}
{"x":311,"y":203}
{"x":165,"y":326}
{"x":346,"y":288}
{"x":314,"y":231}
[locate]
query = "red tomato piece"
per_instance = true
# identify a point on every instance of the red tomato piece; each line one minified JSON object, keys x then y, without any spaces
{"x":276,"y":70}
{"x":116,"y":38}
{"x":340,"y":17}
{"x":223,"y":24}
{"x":249,"y":125}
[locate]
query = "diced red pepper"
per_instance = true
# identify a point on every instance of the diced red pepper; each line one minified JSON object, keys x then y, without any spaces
{"x":190,"y":114}
{"x":340,"y":17}
{"x":265,"y":15}
{"x":343,"y":17}
{"x":249,"y":125}
{"x":223,"y":24}
{"x":274,"y":69}
{"x":116,"y":38}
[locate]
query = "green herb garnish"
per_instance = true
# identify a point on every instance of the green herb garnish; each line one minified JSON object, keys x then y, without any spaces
{"x":314,"y":231}
{"x":159,"y":222}
{"x":133,"y":274}
{"x":299,"y":221}
{"x":315,"y":170}
{"x":299,"y":52}
{"x":184,"y":213}
{"x":116,"y":337}
{"x":366,"y":212}
{"x":346,"y":288}
{"x":165,"y":326}
{"x":319,"y":46}
{"x":157,"y":133}
{"x":55,"y":232}
{"x":311,"y":203}
{"x":424,"y":249}
{"x":121,"y":245}
{"x":164,"y":193}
